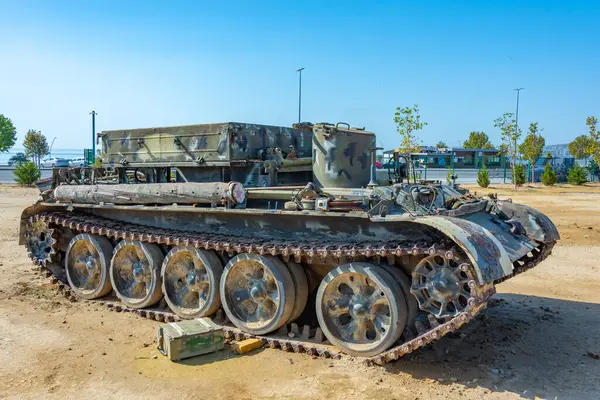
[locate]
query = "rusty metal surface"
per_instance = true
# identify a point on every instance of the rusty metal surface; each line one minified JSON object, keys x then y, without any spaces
{"x":537,"y":225}
{"x":153,"y":193}
{"x":491,"y":257}
{"x":282,"y":339}
{"x":485,"y":251}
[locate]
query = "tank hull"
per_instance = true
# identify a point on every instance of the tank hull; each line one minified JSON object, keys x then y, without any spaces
{"x":491,"y":247}
{"x":316,"y":258}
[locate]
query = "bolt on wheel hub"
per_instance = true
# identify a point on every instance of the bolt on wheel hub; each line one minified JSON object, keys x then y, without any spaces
{"x":444,"y":284}
{"x":139,"y":274}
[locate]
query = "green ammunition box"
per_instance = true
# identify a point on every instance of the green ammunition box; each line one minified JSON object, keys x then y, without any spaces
{"x":184,"y":339}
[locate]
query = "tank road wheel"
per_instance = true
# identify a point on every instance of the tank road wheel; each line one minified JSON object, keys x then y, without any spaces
{"x":87,"y":264}
{"x":441,"y":285}
{"x":39,"y":241}
{"x":135,"y":273}
{"x":300,"y":288}
{"x":190,"y":281}
{"x":412,"y":306}
{"x":361,"y":309}
{"x":257,"y":293}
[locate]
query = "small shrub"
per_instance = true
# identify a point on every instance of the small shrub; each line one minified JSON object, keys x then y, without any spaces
{"x":483,"y":177}
{"x":520,"y":174}
{"x":449,"y":176}
{"x":549,"y":177}
{"x":577,"y":175}
{"x":26,"y":173}
{"x":97,"y":161}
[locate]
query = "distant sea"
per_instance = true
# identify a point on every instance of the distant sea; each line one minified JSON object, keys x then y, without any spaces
{"x":60,"y":153}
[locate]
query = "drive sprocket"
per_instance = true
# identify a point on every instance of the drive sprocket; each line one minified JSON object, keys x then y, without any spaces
{"x":39,"y":240}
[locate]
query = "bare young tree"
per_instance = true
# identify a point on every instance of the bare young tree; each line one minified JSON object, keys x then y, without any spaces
{"x":510,"y":136}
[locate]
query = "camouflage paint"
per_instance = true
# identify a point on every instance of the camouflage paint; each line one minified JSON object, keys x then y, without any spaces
{"x":341,"y":157}
{"x":220,"y":144}
{"x":487,"y":254}
{"x":537,"y":225}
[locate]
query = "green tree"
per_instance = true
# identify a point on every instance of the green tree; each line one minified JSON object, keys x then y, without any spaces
{"x":549,"y":177}
{"x":8,"y":134}
{"x":408,"y":120}
{"x":26,"y":173}
{"x":441,"y":145}
{"x":577,"y":175}
{"x":578,"y":147}
{"x":533,"y":146}
{"x":593,"y":169}
{"x":510,"y":137}
{"x":593,"y":148}
{"x":519,"y":175}
{"x":483,"y":177}
{"x":478,"y":140}
{"x":36,"y":146}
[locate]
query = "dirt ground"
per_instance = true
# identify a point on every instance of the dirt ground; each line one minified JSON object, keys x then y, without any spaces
{"x":531,"y":343}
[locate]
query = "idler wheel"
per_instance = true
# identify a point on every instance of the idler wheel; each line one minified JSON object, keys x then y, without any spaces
{"x":190,"y":281}
{"x":87,"y":264}
{"x":361,"y":309}
{"x":135,"y":273}
{"x":257,"y":293}
{"x":441,"y":285}
{"x":39,"y":241}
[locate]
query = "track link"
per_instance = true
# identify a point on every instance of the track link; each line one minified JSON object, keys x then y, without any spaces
{"x":288,"y":338}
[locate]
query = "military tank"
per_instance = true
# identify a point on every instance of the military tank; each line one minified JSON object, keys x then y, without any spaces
{"x":281,"y":233}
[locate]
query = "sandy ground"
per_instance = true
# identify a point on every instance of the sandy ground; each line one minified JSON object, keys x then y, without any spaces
{"x":531,"y":343}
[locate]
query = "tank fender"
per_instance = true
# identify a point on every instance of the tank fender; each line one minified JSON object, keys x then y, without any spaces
{"x":490,"y":259}
{"x":537,"y":225}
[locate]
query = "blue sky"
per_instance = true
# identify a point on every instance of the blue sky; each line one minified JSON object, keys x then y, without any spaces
{"x":150,"y":63}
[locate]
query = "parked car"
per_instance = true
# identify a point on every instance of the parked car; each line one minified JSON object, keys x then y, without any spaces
{"x":52,"y":162}
{"x":17,"y":158}
{"x":77,"y":162}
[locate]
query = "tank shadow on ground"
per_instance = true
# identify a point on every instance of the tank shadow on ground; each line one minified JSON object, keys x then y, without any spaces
{"x":526,"y":345}
{"x":221,"y":355}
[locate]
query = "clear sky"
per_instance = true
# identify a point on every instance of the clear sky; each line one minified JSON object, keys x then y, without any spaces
{"x":150,"y":63}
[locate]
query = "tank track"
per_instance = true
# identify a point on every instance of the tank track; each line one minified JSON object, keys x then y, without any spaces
{"x":288,"y":338}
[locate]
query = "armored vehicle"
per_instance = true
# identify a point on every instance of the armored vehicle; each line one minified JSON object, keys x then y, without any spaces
{"x":280,"y":233}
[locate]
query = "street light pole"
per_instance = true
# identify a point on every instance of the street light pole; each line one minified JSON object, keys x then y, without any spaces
{"x":51,"y":144}
{"x":300,"y":94}
{"x":515,"y":139}
{"x":94,"y":113}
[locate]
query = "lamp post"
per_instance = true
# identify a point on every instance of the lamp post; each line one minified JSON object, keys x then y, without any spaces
{"x":300,"y":93}
{"x":515,"y":141}
{"x":51,"y":144}
{"x":94,"y":113}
